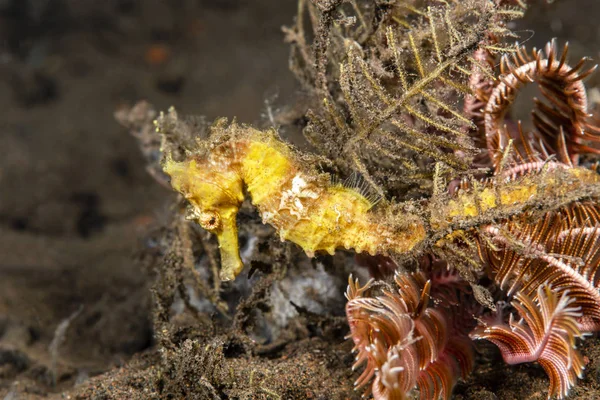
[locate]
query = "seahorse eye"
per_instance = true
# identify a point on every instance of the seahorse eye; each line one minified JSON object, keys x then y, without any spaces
{"x":210,"y":220}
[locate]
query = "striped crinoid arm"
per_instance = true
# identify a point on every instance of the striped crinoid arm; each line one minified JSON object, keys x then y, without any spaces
{"x":481,"y":83}
{"x":546,"y":334}
{"x":562,"y":125}
{"x":561,"y":248}
{"x":405,"y":341}
{"x":382,"y":332}
{"x":483,"y":79}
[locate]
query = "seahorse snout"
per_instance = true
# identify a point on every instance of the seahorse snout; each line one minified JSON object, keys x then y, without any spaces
{"x":231,"y":263}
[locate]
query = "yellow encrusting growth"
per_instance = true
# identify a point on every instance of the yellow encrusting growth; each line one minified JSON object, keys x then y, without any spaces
{"x":302,"y":205}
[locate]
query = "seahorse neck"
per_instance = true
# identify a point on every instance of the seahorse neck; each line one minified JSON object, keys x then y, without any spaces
{"x":265,"y":167}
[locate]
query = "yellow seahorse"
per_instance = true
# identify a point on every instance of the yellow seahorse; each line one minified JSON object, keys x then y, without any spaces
{"x":300,"y":203}
{"x":307,"y":209}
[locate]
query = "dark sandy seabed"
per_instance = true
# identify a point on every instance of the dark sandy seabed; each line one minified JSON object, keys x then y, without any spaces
{"x":80,"y":216}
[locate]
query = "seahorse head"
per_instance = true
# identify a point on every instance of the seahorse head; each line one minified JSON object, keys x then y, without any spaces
{"x":214,"y":191}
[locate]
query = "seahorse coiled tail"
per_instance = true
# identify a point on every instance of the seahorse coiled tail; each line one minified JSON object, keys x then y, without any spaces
{"x":300,"y":203}
{"x":549,"y":184}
